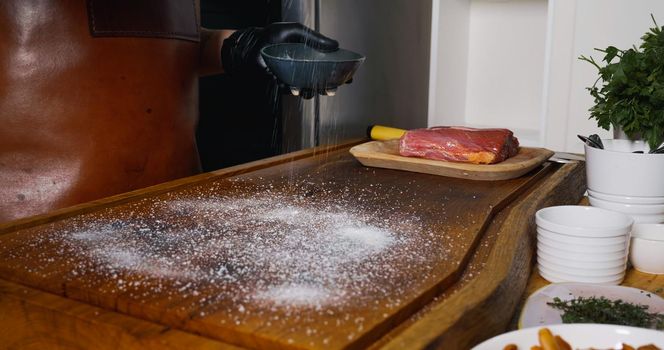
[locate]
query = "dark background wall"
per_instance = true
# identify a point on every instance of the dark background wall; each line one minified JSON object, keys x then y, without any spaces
{"x":240,"y":119}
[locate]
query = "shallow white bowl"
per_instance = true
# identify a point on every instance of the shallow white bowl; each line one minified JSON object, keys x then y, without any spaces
{"x":627,"y":208}
{"x":595,"y":241}
{"x":583,"y":264}
{"x":647,"y":248}
{"x":583,"y":221}
{"x":626,"y":199}
{"x":556,"y":277}
{"x":581,"y":270}
{"x":583,"y":257}
{"x":641,"y":213}
{"x":617,"y":171}
{"x":536,"y":312}
{"x":585,"y":249}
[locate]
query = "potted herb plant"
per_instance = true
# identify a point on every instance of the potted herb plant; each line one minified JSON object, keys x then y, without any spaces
{"x":626,"y":175}
{"x":631,"y":94}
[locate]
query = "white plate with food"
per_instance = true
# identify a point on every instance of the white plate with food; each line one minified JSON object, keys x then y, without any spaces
{"x":577,"y":336}
{"x":537,"y":311}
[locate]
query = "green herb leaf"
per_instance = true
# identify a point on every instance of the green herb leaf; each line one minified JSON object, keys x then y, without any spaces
{"x":630,"y":90}
{"x":603,"y":310}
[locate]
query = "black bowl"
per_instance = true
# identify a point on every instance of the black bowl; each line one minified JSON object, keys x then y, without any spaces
{"x":301,"y":66}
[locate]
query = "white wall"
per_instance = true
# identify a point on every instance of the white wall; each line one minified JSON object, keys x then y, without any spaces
{"x":449,"y":62}
{"x":577,"y":28}
{"x":490,"y":65}
{"x":391,"y":87}
{"x":513,"y":63}
{"x":506,"y":63}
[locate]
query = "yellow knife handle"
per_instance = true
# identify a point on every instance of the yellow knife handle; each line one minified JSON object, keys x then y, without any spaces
{"x":384,"y":133}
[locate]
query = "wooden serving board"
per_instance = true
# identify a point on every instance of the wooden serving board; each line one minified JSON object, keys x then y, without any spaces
{"x":186,"y":265}
{"x":385,"y":154}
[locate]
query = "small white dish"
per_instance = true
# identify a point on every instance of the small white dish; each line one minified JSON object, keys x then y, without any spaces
{"x":626,"y":199}
{"x":555,"y":276}
{"x":579,"y":336}
{"x":641,"y":213}
{"x":582,"y":257}
{"x":583,"y":221}
{"x":581,"y":270}
{"x":561,"y":238}
{"x":585,"y":264}
{"x":578,"y":248}
{"x":615,"y":170}
{"x":536,"y":312}
{"x":627,"y":208}
{"x":557,"y":279}
{"x":648,"y":231}
{"x":647,"y":248}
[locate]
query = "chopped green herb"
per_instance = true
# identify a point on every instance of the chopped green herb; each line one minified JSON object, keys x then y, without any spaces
{"x":603,"y":310}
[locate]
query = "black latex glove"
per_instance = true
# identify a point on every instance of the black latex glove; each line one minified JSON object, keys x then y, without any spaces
{"x":241,"y":52}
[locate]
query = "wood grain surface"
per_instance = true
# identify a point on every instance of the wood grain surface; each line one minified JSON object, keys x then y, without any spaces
{"x":491,"y":289}
{"x":32,"y":319}
{"x":385,"y":154}
{"x":454,"y":211}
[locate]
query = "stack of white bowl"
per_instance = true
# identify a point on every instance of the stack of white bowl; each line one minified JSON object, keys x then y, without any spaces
{"x":626,"y":182}
{"x":644,"y":210}
{"x":582,"y":244}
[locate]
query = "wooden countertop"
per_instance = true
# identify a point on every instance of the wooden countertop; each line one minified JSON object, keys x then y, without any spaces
{"x":50,"y":302}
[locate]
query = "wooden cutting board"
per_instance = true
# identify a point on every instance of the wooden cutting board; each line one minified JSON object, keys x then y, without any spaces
{"x":319,"y":252}
{"x":385,"y":154}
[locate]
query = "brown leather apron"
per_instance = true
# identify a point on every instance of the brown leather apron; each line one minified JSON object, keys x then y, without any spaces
{"x":96,"y":98}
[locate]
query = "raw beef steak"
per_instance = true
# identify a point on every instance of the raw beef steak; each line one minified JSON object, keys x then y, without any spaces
{"x":460,"y":144}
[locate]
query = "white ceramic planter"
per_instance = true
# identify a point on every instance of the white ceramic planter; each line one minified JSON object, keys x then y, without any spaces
{"x":616,"y":171}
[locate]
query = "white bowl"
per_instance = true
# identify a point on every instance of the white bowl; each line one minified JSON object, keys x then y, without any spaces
{"x":595,"y":241}
{"x":626,"y":199}
{"x":583,"y":221}
{"x":584,"y":264}
{"x":648,"y":231}
{"x":627,"y":208}
{"x":647,"y":255}
{"x":617,"y":171}
{"x":647,"y":248}
{"x":583,"y":257}
{"x":557,"y":277}
{"x":586,"y":249}
{"x":581,"y":270}
{"x":641,"y":213}
{"x":559,"y":250}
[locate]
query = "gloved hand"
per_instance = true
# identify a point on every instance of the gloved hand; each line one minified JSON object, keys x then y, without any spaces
{"x":241,"y":52}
